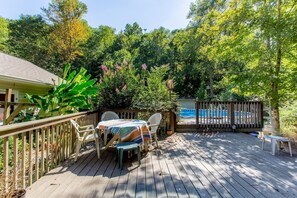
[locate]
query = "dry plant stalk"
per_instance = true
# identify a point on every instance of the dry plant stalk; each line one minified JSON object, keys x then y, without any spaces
{"x":8,"y":185}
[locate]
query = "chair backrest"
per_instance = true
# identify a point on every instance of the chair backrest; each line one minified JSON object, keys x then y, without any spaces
{"x":155,"y":119}
{"x":109,"y":115}
{"x":76,"y":126}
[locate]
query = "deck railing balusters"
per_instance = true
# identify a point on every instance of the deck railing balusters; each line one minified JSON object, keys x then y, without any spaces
{"x":42,"y":151}
{"x":23,"y":166}
{"x":50,"y":141}
{"x":47,"y":149}
{"x":30,"y":173}
{"x":36,"y":154}
{"x":15,"y":160}
{"x":246,"y":116}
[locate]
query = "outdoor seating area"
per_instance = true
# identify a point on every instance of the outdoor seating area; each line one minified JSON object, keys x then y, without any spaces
{"x":185,"y":165}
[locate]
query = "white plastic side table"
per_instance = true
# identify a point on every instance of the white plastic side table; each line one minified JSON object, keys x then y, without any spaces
{"x":274,"y":142}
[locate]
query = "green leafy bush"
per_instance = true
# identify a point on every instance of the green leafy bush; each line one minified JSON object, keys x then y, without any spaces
{"x":288,"y":119}
{"x":122,"y":87}
{"x":153,"y":93}
{"x":73,"y":93}
{"x":117,"y":86}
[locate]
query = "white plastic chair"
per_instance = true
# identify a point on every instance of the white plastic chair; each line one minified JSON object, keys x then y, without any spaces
{"x":153,"y":124}
{"x":109,"y":115}
{"x":85,"y":134}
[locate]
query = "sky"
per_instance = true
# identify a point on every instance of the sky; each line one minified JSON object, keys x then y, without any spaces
{"x":149,"y":14}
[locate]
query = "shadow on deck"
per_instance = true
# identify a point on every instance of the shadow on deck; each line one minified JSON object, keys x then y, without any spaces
{"x":196,"y":165}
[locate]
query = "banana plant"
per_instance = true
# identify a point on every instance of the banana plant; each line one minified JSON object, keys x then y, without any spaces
{"x":72,"y":93}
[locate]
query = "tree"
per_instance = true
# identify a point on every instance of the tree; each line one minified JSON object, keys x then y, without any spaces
{"x":204,"y":22}
{"x":97,"y":49}
{"x":28,"y":39}
{"x":258,"y":37}
{"x":153,"y":93}
{"x":154,"y":48}
{"x":3,"y":34}
{"x":126,"y":46}
{"x":69,"y":31}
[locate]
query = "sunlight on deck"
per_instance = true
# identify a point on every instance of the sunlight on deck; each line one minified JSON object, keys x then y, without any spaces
{"x":189,"y":164}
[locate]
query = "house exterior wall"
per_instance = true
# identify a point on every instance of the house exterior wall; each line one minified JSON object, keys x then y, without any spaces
{"x":20,"y":89}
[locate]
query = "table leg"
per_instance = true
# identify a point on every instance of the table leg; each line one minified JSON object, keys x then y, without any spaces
{"x":146,"y":146}
{"x":105,"y":137}
{"x":290,"y":148}
{"x":273,"y":145}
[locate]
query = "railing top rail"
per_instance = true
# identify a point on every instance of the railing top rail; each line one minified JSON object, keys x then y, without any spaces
{"x":229,"y":101}
{"x":18,"y":128}
{"x":133,"y":110}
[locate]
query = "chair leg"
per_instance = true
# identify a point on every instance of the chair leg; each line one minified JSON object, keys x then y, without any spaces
{"x":118,"y":158}
{"x":156,"y":139}
{"x":263,"y":142}
{"x":97,"y":147}
{"x":273,"y":145}
{"x":138,"y":154}
{"x":78,"y":144}
{"x":121,"y":158}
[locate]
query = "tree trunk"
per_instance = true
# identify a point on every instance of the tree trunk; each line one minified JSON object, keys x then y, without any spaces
{"x":211,"y":83}
{"x":275,"y":79}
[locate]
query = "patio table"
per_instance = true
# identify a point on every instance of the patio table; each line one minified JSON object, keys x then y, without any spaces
{"x":125,"y":130}
{"x":274,"y":142}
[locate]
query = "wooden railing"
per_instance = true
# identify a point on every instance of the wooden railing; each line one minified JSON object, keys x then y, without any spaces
{"x":31,"y":149}
{"x":226,"y":115}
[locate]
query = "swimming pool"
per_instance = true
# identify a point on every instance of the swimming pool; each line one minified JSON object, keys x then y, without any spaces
{"x":191,"y":113}
{"x":188,"y":113}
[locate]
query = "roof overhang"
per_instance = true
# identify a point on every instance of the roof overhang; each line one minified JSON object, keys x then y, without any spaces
{"x":13,"y":80}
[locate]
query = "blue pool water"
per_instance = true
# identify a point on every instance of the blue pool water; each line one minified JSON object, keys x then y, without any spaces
{"x":188,"y":113}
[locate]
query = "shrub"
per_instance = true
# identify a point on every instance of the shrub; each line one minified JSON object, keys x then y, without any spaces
{"x":288,"y":119}
{"x":117,"y":86}
{"x":153,"y":93}
{"x":70,"y":95}
{"x":122,"y":87}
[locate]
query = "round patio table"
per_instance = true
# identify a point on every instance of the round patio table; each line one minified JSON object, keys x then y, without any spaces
{"x":126,"y":130}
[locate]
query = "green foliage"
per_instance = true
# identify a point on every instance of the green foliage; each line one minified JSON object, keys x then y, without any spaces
{"x":68,"y":30}
{"x":3,"y":34}
{"x":70,"y":95}
{"x":201,"y":93}
{"x":117,"y":86}
{"x":10,"y":151}
{"x":238,"y":49}
{"x":27,"y":114}
{"x":155,"y":48}
{"x":288,"y":119}
{"x":122,"y":87}
{"x":257,"y":37}
{"x":153,"y":94}
{"x":28,"y":39}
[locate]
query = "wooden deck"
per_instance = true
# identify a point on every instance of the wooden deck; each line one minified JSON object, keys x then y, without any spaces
{"x":186,"y":165}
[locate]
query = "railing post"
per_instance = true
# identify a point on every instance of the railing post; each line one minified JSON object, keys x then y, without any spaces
{"x":262,"y":116}
{"x":232,"y":117}
{"x":6,"y":105}
{"x":172,"y":121}
{"x":197,"y":113}
{"x":5,"y":164}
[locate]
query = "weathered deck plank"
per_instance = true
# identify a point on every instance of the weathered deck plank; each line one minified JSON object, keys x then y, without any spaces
{"x":186,"y":165}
